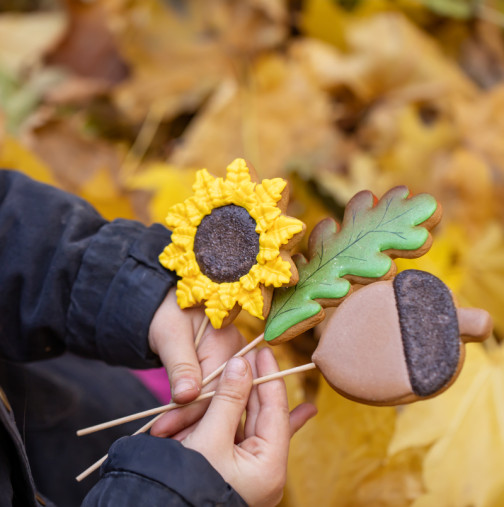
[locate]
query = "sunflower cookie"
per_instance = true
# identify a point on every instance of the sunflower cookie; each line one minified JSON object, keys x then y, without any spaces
{"x":398,"y":341}
{"x":231,"y":242}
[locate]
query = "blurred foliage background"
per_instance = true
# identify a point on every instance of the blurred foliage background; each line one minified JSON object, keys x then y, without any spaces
{"x":120,"y":101}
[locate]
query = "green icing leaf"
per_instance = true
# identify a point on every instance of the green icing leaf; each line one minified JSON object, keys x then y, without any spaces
{"x":369,"y":228}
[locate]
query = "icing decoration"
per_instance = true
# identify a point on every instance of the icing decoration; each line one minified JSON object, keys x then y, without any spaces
{"x":371,"y":233}
{"x":410,"y":345}
{"x":229,"y":243}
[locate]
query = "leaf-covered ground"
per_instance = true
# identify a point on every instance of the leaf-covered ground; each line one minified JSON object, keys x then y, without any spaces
{"x":120,"y":101}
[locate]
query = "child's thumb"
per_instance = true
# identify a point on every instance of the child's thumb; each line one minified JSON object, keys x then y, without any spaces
{"x":226,"y":409}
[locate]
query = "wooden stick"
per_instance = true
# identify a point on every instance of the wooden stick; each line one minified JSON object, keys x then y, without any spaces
{"x":148,"y":425}
{"x":201,"y":330}
{"x":99,"y":463}
{"x":171,"y":406}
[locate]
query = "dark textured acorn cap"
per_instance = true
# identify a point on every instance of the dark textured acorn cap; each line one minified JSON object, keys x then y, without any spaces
{"x":429,"y":330}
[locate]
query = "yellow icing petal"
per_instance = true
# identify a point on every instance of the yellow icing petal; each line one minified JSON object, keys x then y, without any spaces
{"x":185,"y":297}
{"x":177,"y":216}
{"x":264,"y":215}
{"x":270,"y":191}
{"x":216,"y":316}
{"x":216,"y":311}
{"x":252,"y":302}
{"x":282,"y":230}
{"x":275,"y":272}
{"x":203,"y":183}
{"x":203,"y":206}
{"x":252,"y":279}
{"x":237,"y":172}
{"x":228,"y":292}
{"x":184,"y":237}
{"x":194,"y":212}
{"x":244,"y":195}
{"x":187,"y":265}
{"x":172,"y":256}
{"x":202,"y":287}
{"x":220,"y":193}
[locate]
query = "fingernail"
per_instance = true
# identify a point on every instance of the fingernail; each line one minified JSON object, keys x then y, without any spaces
{"x":184,"y":385}
{"x":235,"y":368}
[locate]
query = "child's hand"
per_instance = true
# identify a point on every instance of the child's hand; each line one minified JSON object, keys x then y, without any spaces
{"x":171,"y":336}
{"x":256,"y":466}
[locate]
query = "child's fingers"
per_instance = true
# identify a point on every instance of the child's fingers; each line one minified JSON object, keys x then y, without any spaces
{"x":253,"y":405}
{"x":181,"y":362}
{"x":171,"y":336}
{"x":176,"y":420}
{"x":272,"y":423}
{"x":300,"y":415}
{"x":216,"y":347}
{"x":223,"y":416}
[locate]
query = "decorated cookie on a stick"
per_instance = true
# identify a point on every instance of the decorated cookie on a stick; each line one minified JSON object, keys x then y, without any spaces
{"x":231,"y":242}
{"x":372,"y":349}
{"x":359,"y":252}
{"x":398,"y":341}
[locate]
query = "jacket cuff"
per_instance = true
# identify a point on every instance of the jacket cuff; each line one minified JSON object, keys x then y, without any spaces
{"x":119,"y":287}
{"x":183,"y":473}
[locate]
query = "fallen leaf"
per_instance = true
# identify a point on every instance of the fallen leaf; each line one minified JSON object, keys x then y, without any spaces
{"x":104,"y":193}
{"x":87,"y":47}
{"x":337,"y":451}
{"x":264,"y":119}
{"x":13,"y":155}
{"x":465,"y":427}
{"x":167,"y":185}
{"x":25,"y":38}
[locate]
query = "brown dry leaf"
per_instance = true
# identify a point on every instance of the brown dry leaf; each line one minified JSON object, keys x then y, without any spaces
{"x":25,"y":38}
{"x":482,"y":125}
{"x":337,"y":451}
{"x":87,"y":48}
{"x":72,"y":155}
{"x":277,"y":119}
{"x":467,"y":189}
{"x":180,"y":55}
{"x":173,"y":62}
{"x":81,"y":164}
{"x":482,"y":54}
{"x":465,"y":426}
{"x":373,"y":69}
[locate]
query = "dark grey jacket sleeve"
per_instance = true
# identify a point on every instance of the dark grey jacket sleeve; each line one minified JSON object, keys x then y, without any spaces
{"x":71,"y":280}
{"x":145,"y":470}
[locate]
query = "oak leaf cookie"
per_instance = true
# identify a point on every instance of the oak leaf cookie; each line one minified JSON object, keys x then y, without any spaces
{"x":372,"y":232}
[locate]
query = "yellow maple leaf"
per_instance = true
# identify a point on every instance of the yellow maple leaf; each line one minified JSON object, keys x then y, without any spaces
{"x":465,"y":428}
{"x":167,"y":184}
{"x":13,"y":155}
{"x":337,"y":451}
{"x":106,"y":196}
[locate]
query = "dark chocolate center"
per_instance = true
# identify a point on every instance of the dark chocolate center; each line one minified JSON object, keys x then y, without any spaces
{"x":429,"y":329}
{"x":226,"y":244}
